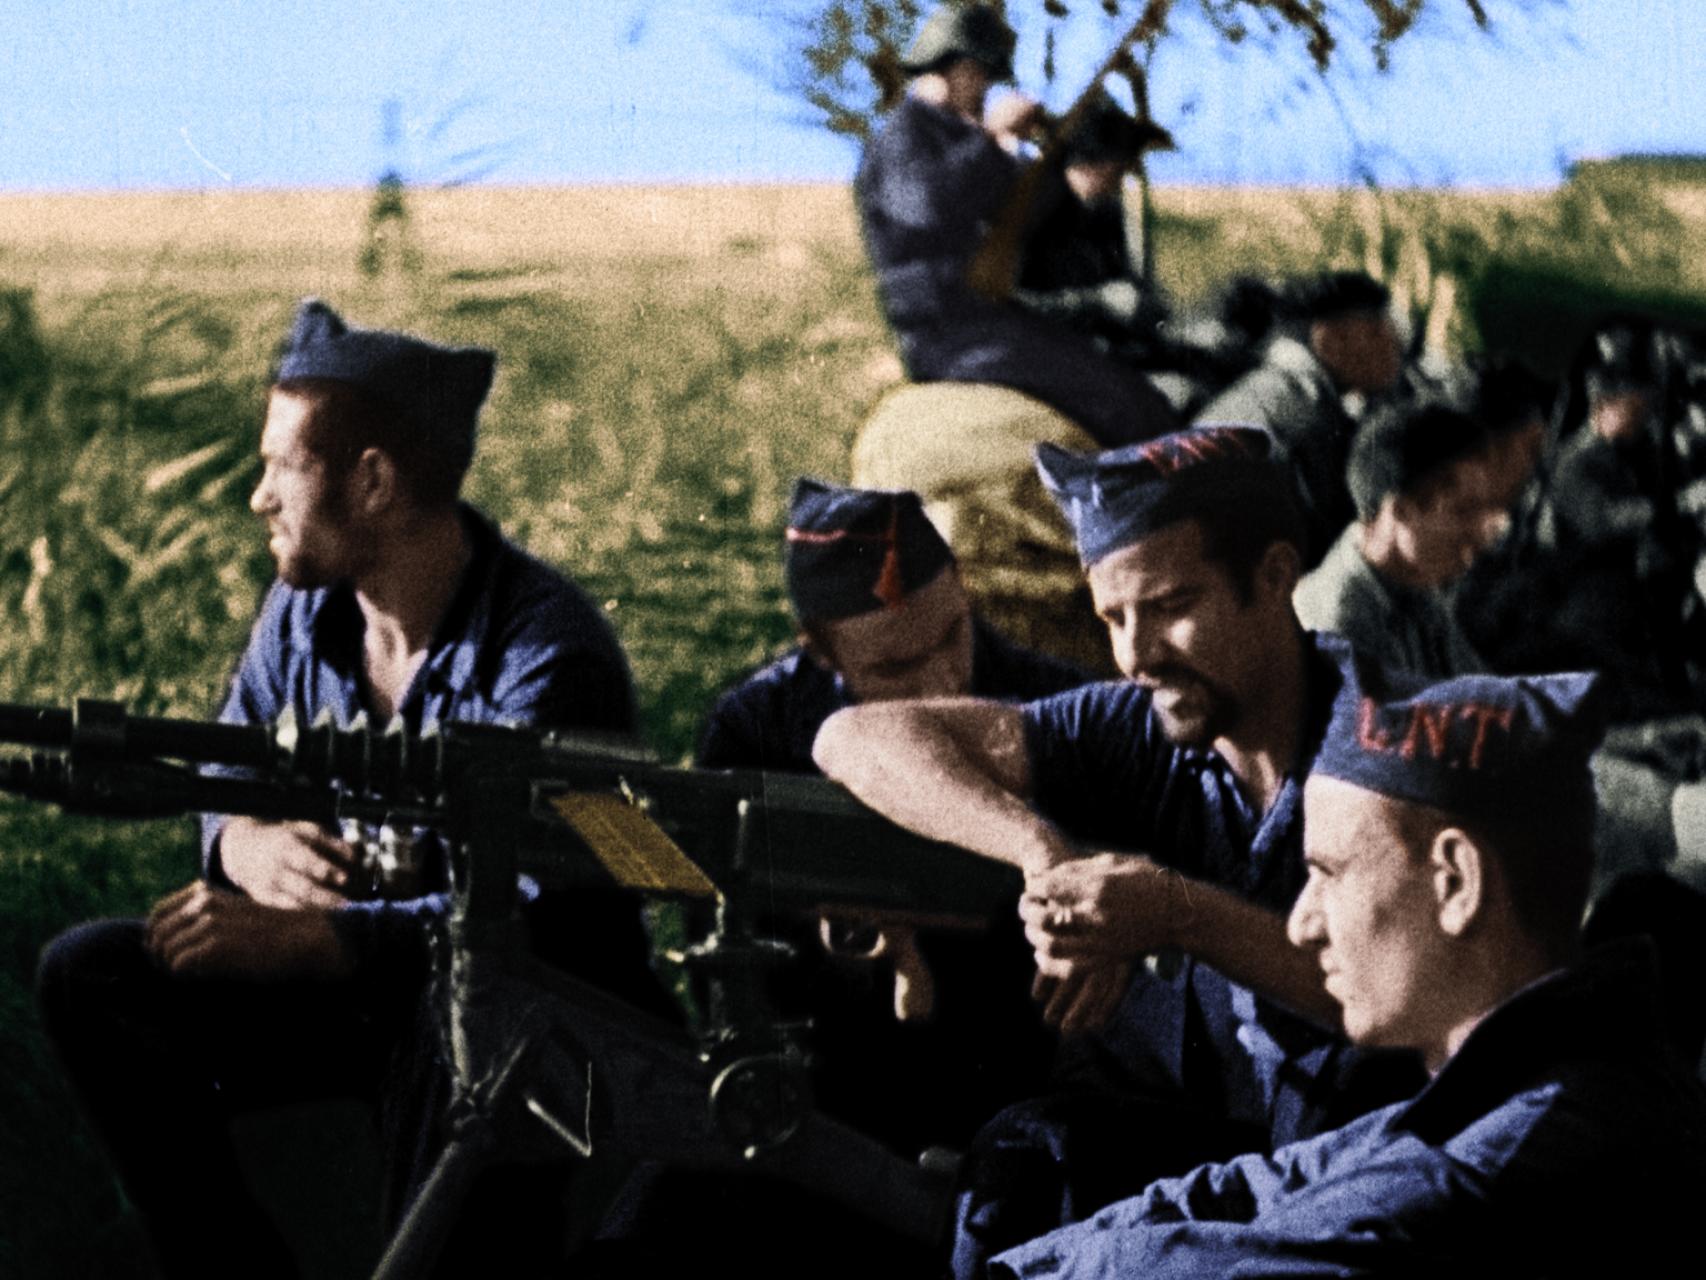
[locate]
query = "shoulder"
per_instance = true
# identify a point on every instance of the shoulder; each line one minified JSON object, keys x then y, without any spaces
{"x":775,"y":685}
{"x":1288,"y":383}
{"x":1115,"y":710}
{"x":533,"y":602}
{"x":288,"y":619}
{"x":1341,"y":591}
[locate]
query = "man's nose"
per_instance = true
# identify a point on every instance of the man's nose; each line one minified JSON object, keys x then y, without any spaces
{"x":1136,"y":642}
{"x":1303,"y":925}
{"x":260,"y":501}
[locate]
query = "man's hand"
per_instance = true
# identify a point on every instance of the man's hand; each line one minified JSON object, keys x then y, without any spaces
{"x":287,"y":864}
{"x":1081,"y":996}
{"x":1012,"y":118}
{"x":213,"y":933}
{"x":1107,"y":907}
{"x":914,"y":984}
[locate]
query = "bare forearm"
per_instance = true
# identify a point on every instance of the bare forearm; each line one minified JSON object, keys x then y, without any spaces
{"x":951,"y":771}
{"x":1248,"y":944}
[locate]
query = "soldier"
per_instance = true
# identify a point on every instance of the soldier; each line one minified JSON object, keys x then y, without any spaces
{"x":1559,"y":1135}
{"x":929,"y":187}
{"x":1423,"y":480}
{"x":1628,"y":551}
{"x":1190,"y":544}
{"x":1428,"y":483}
{"x":1077,"y":268}
{"x":882,"y":617}
{"x":1335,"y":338}
{"x":287,"y":972}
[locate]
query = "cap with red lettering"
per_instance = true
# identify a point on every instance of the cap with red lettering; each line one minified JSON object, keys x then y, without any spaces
{"x":853,"y":551}
{"x":1114,"y":498}
{"x":1511,"y":748}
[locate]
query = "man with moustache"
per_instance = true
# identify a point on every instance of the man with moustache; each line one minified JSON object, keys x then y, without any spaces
{"x":288,"y":971}
{"x":1559,"y":1134}
{"x":1158,"y":814}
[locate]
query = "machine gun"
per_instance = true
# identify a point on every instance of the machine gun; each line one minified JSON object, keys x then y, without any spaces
{"x":539,"y":1060}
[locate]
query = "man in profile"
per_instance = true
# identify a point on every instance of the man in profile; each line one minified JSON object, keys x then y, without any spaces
{"x":293,"y":968}
{"x":1560,"y":1133}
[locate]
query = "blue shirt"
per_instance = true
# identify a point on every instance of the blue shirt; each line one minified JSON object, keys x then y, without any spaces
{"x":911,"y":1085}
{"x":519,"y":645}
{"x":1564,"y":1138}
{"x":1102,"y":769}
{"x":927,"y":188}
{"x":769,"y":720}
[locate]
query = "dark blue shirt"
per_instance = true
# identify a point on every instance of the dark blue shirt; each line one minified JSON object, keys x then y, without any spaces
{"x":769,"y":720}
{"x":927,"y":188}
{"x":908,"y":1084}
{"x":1565,"y":1138}
{"x":1103,"y":770}
{"x":519,"y":645}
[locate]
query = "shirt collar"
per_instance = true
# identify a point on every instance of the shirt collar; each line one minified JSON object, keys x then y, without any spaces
{"x":335,"y":622}
{"x":1604,"y":1006}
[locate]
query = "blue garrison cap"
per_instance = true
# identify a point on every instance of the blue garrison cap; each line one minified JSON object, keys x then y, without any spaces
{"x":853,"y":551}
{"x":1509,"y":748}
{"x":439,"y":389}
{"x":1114,"y":498}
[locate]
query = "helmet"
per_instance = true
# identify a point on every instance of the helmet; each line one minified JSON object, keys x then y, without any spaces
{"x":963,"y":31}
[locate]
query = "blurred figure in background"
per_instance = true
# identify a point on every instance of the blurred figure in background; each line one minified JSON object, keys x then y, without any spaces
{"x":930,"y":186}
{"x":1077,"y":268}
{"x":1333,"y":350}
{"x":1428,"y":503}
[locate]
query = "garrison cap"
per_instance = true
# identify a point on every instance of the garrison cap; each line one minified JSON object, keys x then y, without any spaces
{"x":853,"y":551}
{"x":438,"y":389}
{"x":963,"y":31}
{"x":1107,"y":131}
{"x":1333,"y":293}
{"x":1114,"y":498}
{"x":1512,"y":749}
{"x":1403,"y":446}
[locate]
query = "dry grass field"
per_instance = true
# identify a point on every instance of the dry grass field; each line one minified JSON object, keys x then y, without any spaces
{"x":670,"y":358}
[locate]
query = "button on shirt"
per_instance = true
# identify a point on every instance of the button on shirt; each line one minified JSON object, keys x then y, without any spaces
{"x":519,"y":645}
{"x":1103,"y":770}
{"x":1565,"y":1138}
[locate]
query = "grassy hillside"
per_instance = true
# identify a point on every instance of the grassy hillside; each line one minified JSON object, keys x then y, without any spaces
{"x":670,"y":359}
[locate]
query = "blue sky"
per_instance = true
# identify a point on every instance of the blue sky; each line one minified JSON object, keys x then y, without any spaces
{"x":250,"y":93}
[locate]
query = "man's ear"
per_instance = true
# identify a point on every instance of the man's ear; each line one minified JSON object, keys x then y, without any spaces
{"x":1278,"y":571}
{"x":1458,"y":871}
{"x":374,"y":484}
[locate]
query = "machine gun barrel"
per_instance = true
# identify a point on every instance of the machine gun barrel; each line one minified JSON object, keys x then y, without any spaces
{"x":813,"y":846}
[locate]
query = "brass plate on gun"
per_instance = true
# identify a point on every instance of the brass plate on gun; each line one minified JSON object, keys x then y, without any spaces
{"x":632,"y":848}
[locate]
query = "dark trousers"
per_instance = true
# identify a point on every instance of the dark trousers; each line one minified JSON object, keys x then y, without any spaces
{"x":163,"y":1064}
{"x":1000,"y":344}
